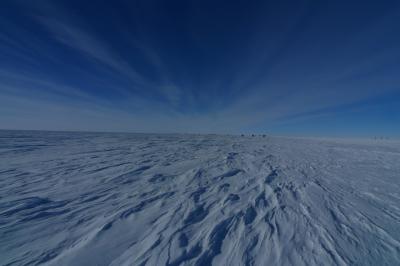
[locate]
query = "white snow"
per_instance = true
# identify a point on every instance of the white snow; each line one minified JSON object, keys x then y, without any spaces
{"x":136,"y":199}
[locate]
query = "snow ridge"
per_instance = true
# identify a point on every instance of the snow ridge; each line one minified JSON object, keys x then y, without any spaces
{"x":137,"y":199}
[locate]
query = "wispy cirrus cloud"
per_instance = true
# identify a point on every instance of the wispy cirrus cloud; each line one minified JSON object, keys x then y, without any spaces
{"x":89,"y":46}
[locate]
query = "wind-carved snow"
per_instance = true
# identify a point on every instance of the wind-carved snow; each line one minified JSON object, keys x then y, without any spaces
{"x":134,"y":199}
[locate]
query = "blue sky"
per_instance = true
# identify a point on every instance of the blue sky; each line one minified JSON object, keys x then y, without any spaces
{"x":323,"y":68}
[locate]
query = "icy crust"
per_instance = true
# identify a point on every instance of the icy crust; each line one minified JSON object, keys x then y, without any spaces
{"x":135,"y":199}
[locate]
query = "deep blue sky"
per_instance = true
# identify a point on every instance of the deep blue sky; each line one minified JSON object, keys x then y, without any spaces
{"x":284,"y":67}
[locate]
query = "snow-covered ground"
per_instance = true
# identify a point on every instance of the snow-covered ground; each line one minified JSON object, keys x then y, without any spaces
{"x":136,"y":199}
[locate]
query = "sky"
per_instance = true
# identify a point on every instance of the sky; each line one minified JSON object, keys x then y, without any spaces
{"x":312,"y":68}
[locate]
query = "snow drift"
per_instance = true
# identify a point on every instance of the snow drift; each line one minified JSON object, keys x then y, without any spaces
{"x":137,"y":199}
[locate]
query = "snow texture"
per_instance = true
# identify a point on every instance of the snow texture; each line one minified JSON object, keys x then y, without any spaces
{"x":141,"y":199}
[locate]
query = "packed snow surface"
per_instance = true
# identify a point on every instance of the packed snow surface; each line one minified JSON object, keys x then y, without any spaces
{"x":140,"y":199}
